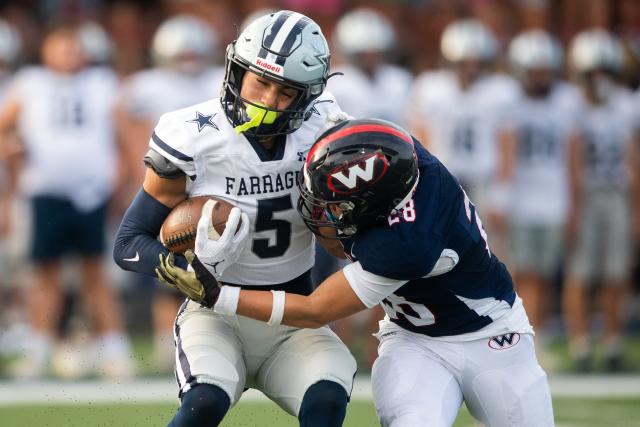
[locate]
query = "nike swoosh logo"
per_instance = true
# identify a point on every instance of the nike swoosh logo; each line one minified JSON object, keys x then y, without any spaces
{"x":134,"y":259}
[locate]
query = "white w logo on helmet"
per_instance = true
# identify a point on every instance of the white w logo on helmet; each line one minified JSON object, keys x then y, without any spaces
{"x":354,"y":172}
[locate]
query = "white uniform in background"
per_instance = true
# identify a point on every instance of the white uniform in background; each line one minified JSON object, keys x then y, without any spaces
{"x":384,"y":96}
{"x":604,"y":244}
{"x":539,"y":196}
{"x":234,"y":352}
{"x":150,"y":93}
{"x":463,"y":124}
{"x":67,"y":120}
{"x":71,"y":155}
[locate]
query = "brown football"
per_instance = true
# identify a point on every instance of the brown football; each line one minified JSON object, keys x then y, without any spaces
{"x":178,"y":232}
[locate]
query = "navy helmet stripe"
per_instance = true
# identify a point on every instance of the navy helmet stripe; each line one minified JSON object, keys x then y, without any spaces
{"x":291,"y":38}
{"x":175,"y":153}
{"x":273,"y":31}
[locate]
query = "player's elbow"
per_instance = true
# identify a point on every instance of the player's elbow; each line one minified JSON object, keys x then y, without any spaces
{"x":118,"y":252}
{"x":122,"y":247}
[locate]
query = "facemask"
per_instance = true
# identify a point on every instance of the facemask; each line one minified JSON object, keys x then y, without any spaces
{"x":603,"y":87}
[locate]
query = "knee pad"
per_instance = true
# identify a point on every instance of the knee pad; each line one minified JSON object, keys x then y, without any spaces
{"x":203,"y":406}
{"x":324,"y":404}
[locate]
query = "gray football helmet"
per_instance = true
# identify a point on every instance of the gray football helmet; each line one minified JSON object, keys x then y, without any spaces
{"x":363,"y":30}
{"x":96,"y":43}
{"x":535,"y":49}
{"x":285,"y":47}
{"x":536,"y":58}
{"x":468,"y":39}
{"x":596,"y":49}
{"x":183,"y":35}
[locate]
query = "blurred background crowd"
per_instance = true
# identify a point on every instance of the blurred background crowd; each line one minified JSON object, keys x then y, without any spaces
{"x":533,"y":104}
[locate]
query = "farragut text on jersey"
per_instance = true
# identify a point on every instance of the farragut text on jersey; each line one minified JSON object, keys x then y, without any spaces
{"x":263,"y":184}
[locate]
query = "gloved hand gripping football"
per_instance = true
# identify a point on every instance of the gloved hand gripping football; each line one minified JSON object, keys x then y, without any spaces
{"x":211,"y":257}
{"x":219,"y":252}
{"x":198,"y":285}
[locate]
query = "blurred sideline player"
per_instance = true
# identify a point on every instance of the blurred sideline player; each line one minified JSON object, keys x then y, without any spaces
{"x":62,"y":112}
{"x":456,"y":111}
{"x":602,"y":176}
{"x":183,"y":50}
{"x":533,"y":172}
{"x":12,"y":311}
{"x":247,"y":147}
{"x":455,"y":329}
{"x":371,"y":86}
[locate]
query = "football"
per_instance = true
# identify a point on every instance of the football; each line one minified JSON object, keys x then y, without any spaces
{"x":178,"y":232}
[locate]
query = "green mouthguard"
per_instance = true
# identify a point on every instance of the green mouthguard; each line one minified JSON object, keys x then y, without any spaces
{"x":258,"y":116}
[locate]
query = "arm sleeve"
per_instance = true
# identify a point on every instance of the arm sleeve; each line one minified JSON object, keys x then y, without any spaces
{"x":136,"y":246}
{"x":369,"y":287}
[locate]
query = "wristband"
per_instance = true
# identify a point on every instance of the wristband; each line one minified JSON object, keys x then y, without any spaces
{"x":277,"y":308}
{"x":227,"y":303}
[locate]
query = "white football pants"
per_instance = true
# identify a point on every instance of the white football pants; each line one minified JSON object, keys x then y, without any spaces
{"x":234,"y":352}
{"x":419,"y":381}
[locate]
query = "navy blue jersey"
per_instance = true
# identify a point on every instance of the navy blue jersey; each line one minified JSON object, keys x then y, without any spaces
{"x":478,"y":290}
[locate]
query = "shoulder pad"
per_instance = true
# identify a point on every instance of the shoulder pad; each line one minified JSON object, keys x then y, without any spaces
{"x":161,"y":166}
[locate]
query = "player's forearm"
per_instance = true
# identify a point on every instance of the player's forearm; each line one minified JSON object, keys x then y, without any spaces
{"x":136,"y":247}
{"x":334,"y":299}
{"x":300,"y":311}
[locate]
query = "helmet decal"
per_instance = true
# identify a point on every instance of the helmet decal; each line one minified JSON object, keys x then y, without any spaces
{"x":279,"y":41}
{"x":269,"y":66}
{"x":359,"y":174}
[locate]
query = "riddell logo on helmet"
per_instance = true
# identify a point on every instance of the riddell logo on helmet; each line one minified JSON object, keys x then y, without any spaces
{"x":268,"y":66}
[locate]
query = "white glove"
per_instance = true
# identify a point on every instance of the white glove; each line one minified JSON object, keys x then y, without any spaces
{"x":332,"y":120}
{"x":218,"y":253}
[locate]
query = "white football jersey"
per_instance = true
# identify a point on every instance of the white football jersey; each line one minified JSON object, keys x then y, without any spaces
{"x":66,"y":125}
{"x":607,"y":130}
{"x":202,"y":143}
{"x":148,"y":94}
{"x":463,"y":124}
{"x":543,"y":127}
{"x":383,"y":97}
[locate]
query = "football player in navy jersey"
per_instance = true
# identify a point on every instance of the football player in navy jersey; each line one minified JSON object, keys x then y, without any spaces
{"x":454,"y":330}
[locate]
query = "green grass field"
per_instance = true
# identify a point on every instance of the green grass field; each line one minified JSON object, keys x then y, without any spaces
{"x":569,"y":412}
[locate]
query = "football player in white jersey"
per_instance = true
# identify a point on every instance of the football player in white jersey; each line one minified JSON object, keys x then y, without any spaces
{"x":455,"y":329}
{"x":183,"y":50}
{"x":247,"y":147}
{"x":371,"y":86}
{"x":533,"y":173}
{"x":62,"y":112}
{"x":456,"y":111}
{"x":602,"y":181}
{"x":12,"y":310}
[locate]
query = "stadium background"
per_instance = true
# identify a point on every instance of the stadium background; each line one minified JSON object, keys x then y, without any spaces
{"x":580,"y":399}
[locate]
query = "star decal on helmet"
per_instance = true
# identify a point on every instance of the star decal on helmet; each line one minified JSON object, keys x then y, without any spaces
{"x":204,"y":120}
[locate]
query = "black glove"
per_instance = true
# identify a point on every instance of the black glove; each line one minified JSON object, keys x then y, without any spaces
{"x":198,"y":285}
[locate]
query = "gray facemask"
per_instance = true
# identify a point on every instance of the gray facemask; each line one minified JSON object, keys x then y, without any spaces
{"x":603,"y":87}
